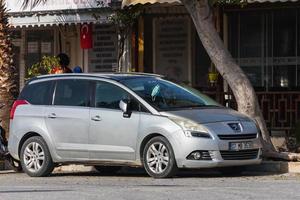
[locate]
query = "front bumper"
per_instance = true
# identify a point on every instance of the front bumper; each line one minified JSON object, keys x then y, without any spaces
{"x":185,"y":146}
{"x":217,"y":161}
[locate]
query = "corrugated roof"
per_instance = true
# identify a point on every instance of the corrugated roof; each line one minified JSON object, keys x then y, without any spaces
{"x":134,"y":2}
{"x":31,"y":19}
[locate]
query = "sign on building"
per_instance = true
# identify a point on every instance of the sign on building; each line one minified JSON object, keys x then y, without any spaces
{"x":172,"y":48}
{"x":103,"y":55}
{"x":52,"y":5}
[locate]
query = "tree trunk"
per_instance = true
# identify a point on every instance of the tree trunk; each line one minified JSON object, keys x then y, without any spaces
{"x":243,"y":91}
{"x":8,"y":78}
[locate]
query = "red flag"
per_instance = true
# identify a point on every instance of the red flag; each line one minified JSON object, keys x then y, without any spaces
{"x":86,"y":36}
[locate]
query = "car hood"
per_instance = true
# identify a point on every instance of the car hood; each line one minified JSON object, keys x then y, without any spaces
{"x":207,"y":115}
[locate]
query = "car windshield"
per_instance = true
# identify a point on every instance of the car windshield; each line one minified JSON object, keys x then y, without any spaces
{"x":165,"y":95}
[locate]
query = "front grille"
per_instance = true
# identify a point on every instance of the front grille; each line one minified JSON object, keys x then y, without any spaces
{"x":240,"y":155}
{"x":238,"y":136}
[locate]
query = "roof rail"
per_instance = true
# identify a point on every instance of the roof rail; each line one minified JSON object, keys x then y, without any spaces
{"x":140,"y":73}
{"x":102,"y":75}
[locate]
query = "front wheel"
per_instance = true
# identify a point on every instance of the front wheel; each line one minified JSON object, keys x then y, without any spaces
{"x":35,"y":157}
{"x":158,"y":158}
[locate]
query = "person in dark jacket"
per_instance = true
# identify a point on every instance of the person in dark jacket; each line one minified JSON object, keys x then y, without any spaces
{"x":64,"y":62}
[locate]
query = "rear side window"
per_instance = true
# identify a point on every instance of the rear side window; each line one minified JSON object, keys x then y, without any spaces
{"x":72,"y":92}
{"x":38,"y":93}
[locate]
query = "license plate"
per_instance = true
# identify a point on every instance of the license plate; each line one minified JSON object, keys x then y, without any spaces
{"x":237,"y":146}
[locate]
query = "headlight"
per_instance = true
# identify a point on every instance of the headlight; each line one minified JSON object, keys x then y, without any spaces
{"x":190,"y":128}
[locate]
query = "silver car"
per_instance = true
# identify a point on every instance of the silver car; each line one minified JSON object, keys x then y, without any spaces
{"x":114,"y":120}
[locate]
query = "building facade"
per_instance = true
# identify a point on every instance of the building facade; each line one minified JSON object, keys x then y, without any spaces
{"x":263,"y":38}
{"x":55,"y":27}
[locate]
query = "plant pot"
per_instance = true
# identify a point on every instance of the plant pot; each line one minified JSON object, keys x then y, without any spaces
{"x":213,"y":77}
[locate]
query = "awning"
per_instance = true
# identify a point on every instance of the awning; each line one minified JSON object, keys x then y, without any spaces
{"x":126,"y":3}
{"x":270,"y":1}
{"x":18,"y":20}
{"x":134,"y":2}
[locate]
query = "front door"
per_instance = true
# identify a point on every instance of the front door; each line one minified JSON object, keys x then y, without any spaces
{"x":68,"y":119}
{"x":112,"y":136}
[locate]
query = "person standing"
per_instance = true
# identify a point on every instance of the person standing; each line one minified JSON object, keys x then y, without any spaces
{"x":64,"y":62}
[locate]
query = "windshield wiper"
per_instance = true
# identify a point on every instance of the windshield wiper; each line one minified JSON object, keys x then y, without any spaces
{"x":192,"y":107}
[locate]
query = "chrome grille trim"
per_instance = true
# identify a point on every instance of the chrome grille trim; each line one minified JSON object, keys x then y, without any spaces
{"x":240,"y":155}
{"x":238,"y":136}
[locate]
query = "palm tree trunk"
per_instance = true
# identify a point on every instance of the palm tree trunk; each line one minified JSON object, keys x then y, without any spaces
{"x":8,"y":75}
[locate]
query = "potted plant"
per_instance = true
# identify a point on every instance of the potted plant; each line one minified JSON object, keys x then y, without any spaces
{"x":48,"y":65}
{"x":213,"y":74}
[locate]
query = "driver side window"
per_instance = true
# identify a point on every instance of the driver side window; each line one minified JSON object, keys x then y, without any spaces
{"x":108,"y":96}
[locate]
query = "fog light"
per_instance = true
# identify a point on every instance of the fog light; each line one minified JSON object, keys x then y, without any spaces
{"x":197,"y":155}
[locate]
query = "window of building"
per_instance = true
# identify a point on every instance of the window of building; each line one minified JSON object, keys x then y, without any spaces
{"x":39,"y":43}
{"x":264,"y":45}
{"x":72,"y":92}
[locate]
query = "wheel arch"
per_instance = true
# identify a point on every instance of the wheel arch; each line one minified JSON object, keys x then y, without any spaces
{"x":144,"y":142}
{"x":24,"y":138}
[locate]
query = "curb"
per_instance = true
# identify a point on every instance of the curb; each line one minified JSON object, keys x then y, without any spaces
{"x":275,"y":167}
{"x":2,"y":165}
{"x":73,"y":168}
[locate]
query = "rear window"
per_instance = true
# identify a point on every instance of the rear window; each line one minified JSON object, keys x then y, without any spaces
{"x":38,"y":93}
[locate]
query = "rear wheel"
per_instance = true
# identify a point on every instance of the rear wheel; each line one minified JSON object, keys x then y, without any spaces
{"x":158,"y":158}
{"x":108,"y":169}
{"x":35,"y":157}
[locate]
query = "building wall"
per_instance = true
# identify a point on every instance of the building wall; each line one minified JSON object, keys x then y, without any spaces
{"x":172,"y":47}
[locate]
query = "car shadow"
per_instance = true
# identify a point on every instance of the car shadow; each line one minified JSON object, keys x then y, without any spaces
{"x":184,"y":173}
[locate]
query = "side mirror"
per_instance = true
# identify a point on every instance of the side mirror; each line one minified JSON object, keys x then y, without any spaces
{"x":125,"y":107}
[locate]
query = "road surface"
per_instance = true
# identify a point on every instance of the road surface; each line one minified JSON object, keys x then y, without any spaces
{"x":129,"y":185}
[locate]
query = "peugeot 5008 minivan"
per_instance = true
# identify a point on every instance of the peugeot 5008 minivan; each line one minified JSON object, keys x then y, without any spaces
{"x":113,"y":120}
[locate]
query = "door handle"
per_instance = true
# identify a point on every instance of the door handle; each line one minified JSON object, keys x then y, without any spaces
{"x":96,"y":118}
{"x":52,"y":116}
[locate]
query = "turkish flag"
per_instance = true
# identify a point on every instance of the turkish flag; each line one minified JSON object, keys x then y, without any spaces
{"x":86,"y":36}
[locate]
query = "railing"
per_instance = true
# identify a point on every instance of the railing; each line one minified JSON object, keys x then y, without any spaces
{"x":281,"y":110}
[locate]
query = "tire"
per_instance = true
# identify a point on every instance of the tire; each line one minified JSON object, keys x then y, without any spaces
{"x":232,"y":171}
{"x":158,"y":158}
{"x":33,"y":162}
{"x":108,"y":170}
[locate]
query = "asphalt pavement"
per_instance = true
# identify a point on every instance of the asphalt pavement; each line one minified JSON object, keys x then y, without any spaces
{"x":131,"y":185}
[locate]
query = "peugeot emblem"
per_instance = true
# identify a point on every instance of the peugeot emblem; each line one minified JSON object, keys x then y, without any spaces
{"x":236,"y":127}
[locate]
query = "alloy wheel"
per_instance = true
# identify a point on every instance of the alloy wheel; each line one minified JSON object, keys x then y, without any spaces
{"x":157,"y":158}
{"x":34,"y":157}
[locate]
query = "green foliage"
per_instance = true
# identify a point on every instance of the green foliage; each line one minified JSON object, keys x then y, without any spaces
{"x":125,"y":18}
{"x":47,"y":64}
